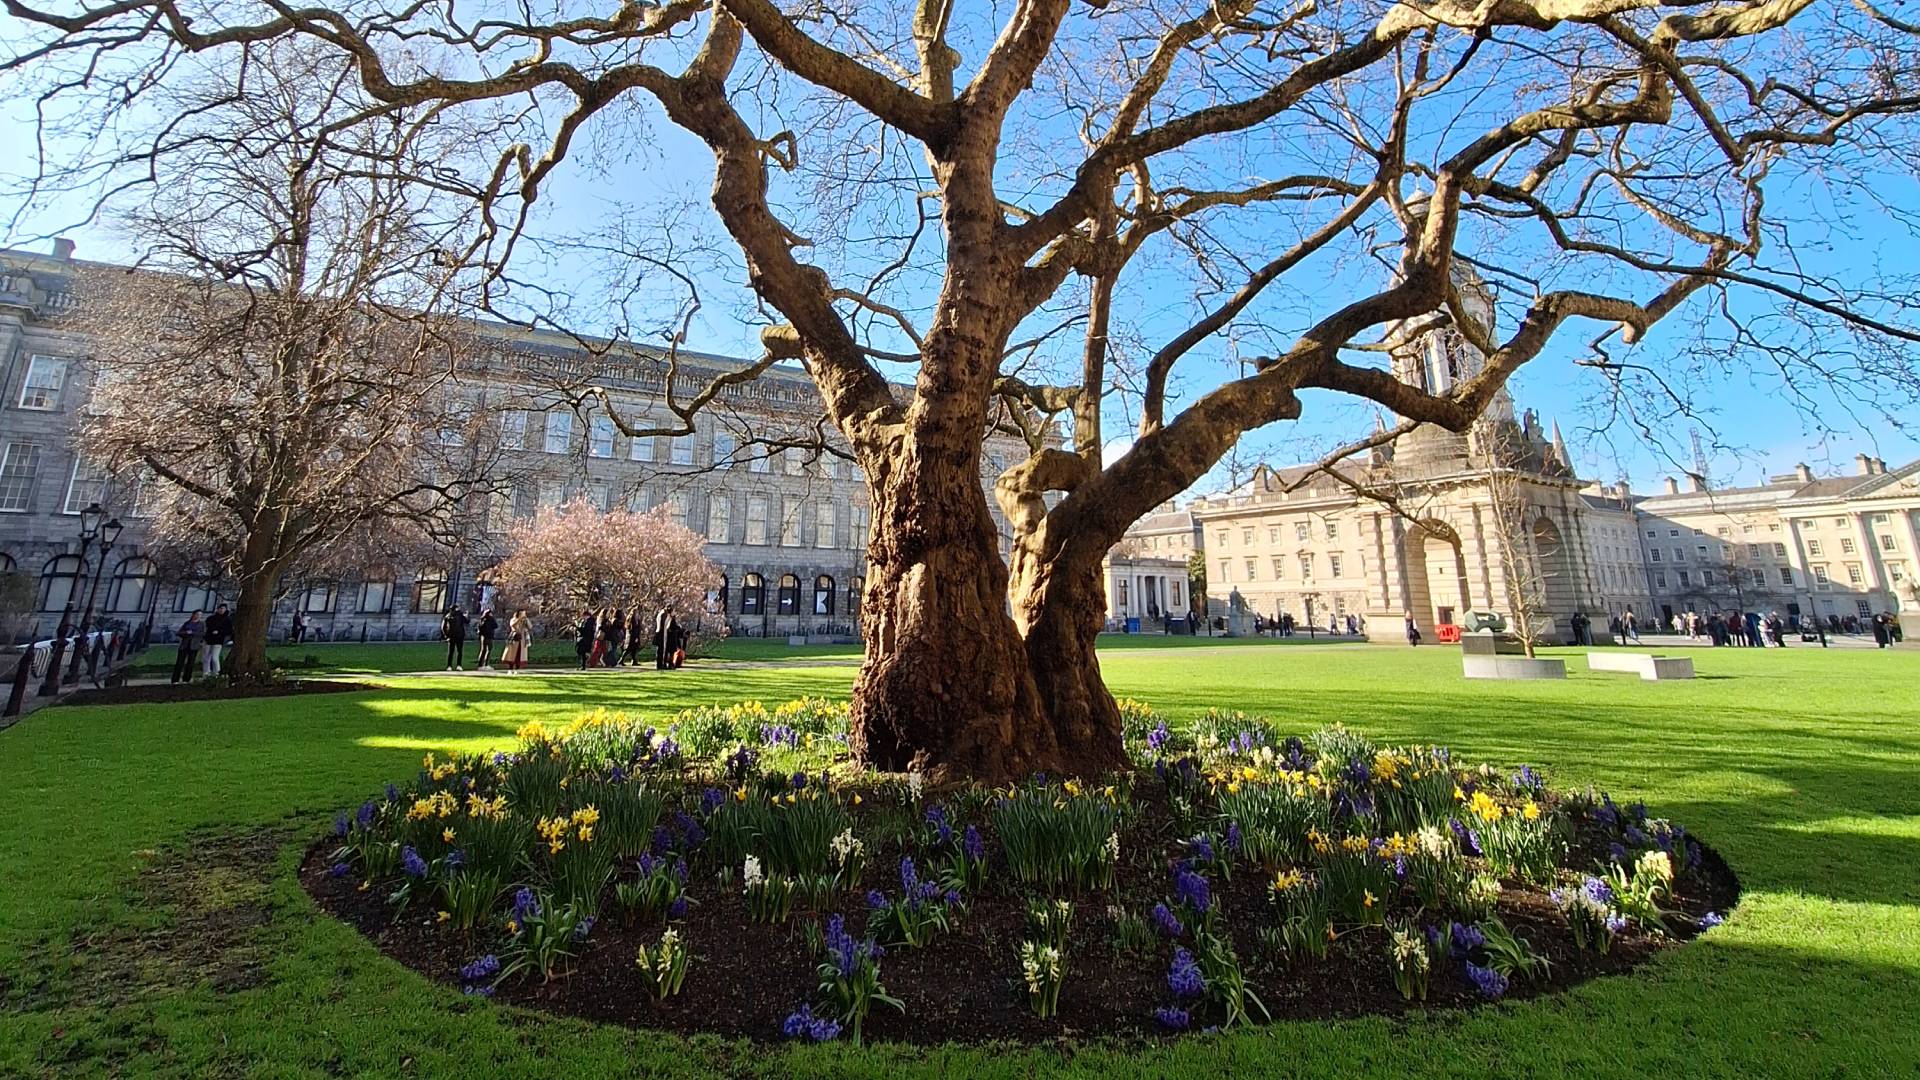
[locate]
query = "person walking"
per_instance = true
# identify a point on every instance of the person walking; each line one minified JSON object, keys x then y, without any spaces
{"x":299,"y":633}
{"x":453,"y":627}
{"x":219,"y":631}
{"x":1413,"y":631}
{"x":583,"y":636}
{"x":519,"y":642}
{"x":192,"y":632}
{"x":487,"y":630}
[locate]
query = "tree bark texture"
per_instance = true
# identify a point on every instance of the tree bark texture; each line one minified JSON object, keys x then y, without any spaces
{"x":252,"y":622}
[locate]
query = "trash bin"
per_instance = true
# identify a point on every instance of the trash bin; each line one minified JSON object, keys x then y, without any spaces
{"x":1133,"y":625}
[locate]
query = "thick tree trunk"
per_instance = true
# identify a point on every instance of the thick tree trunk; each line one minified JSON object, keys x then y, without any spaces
{"x":1061,"y":605}
{"x":252,"y":622}
{"x":946,"y":688}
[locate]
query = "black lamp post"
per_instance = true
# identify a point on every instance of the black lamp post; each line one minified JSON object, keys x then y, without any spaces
{"x":89,"y":530}
{"x":108,"y":534}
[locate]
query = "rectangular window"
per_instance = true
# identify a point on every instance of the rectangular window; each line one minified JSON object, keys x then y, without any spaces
{"x":1683,"y":578}
{"x":757,"y":519}
{"x":724,"y":447}
{"x":1246,"y":537}
{"x":1652,"y":533}
{"x":792,"y":462}
{"x":1223,"y":537}
{"x":499,"y":510}
{"x":1839,"y":523}
{"x":1886,"y":541}
{"x":1660,"y":581}
{"x":375,"y":596}
{"x":677,"y":505}
{"x":1679,"y":554}
{"x":553,"y":492}
{"x":318,"y":598}
{"x":600,"y":438}
{"x":829,"y":466}
{"x":600,"y":494}
{"x":862,"y":524}
{"x":1779,"y":551}
{"x":454,"y":421}
{"x":1333,"y":565}
{"x":789,"y":522}
{"x":1724,"y":531}
{"x":1306,"y":566}
{"x":1253,"y":571}
{"x":1897,"y":571}
{"x":1757,"y":576}
{"x":559,"y":432}
{"x":1820,"y":575}
{"x":1300,"y":530}
{"x":1279,"y":568}
{"x":1813,"y":548}
{"x":1863,"y":607}
{"x":1226,"y":571}
{"x":513,"y":430}
{"x":1701,"y":550}
{"x":823,"y":523}
{"x":682,"y":449}
{"x":1786,"y":575}
{"x":1673,"y":532}
{"x":41,"y":388}
{"x":1854,"y":576}
{"x":1653,"y":554}
{"x":429,"y":595}
{"x":640,"y":448}
{"x":759,"y":463}
{"x":87,"y":485}
{"x":1753,"y":551}
{"x":18,"y":467}
{"x":1333,"y":532}
{"x":1273,"y":534}
{"x":1746,"y":530}
{"x":1706,"y":578}
{"x":1846,"y":545}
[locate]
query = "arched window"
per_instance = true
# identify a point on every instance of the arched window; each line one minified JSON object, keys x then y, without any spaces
{"x":7,"y":565}
{"x":191,"y":597}
{"x":789,"y":595}
{"x":856,"y":592}
{"x":753,"y":594}
{"x":133,"y":584}
{"x":430,"y":593}
{"x":823,"y":595}
{"x":722,"y":594}
{"x":60,"y":583}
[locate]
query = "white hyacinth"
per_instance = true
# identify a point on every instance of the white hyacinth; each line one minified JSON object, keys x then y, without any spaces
{"x":1113,"y":848}
{"x":1656,"y":863}
{"x":750,"y":873}
{"x":916,"y":783}
{"x":845,"y":846}
{"x":1431,"y":841}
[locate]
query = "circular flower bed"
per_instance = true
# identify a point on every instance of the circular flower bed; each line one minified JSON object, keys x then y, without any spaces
{"x":729,"y":874}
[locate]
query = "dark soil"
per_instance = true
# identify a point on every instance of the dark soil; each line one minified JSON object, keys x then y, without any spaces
{"x":964,"y":986}
{"x":211,"y":691}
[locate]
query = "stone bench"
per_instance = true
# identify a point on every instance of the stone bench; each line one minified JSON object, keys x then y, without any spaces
{"x":1647,"y":666}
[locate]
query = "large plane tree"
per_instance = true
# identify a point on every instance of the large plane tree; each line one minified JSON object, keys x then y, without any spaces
{"x":953,"y":190}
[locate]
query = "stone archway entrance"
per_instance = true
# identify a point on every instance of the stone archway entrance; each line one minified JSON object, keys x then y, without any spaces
{"x":1436,"y":573}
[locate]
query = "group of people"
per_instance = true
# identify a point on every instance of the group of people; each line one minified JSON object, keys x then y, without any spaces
{"x":608,"y":638}
{"x":200,"y":642}
{"x":513,"y":658}
{"x":1750,"y":630}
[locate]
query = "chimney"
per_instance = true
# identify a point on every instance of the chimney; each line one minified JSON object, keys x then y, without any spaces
{"x":1622,"y":491}
{"x":1879,"y":466}
{"x":1865,"y":464}
{"x":1673,"y":486}
{"x":1802,"y":473}
{"x":1696,"y":483}
{"x":62,"y":248}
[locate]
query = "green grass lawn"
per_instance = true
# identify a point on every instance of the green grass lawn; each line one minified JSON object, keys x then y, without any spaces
{"x":353,"y":658}
{"x":1801,"y":766}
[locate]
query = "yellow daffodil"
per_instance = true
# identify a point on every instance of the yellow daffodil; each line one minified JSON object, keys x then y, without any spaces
{"x":1073,"y":788}
{"x":446,"y":835}
{"x":364,"y":885}
{"x":442,"y":916}
{"x":586,"y":833}
{"x":512,"y":927}
{"x":1367,"y":899}
{"x":1458,"y":795}
{"x":1531,"y":811}
{"x":740,"y":793}
{"x":856,"y":798}
{"x":1112,"y":792}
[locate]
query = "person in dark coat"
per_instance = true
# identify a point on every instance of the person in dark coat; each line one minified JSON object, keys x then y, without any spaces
{"x":192,"y":633}
{"x":1881,"y":636}
{"x":662,"y":650}
{"x":219,"y":632}
{"x":636,"y":636}
{"x":453,"y":627}
{"x":583,"y":636}
{"x":676,"y":639}
{"x":1413,"y":631}
{"x":488,"y":629}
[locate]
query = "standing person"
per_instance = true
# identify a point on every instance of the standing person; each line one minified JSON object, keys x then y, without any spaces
{"x":1413,"y":631}
{"x":219,"y":631}
{"x":453,"y":627}
{"x":299,"y":633}
{"x":636,"y":635}
{"x":1633,"y":625}
{"x":583,"y":636}
{"x":488,"y":629}
{"x":519,"y":642}
{"x":661,"y":647}
{"x":1881,"y":637}
{"x":610,"y":627}
{"x":676,"y":639}
{"x":1754,"y":641}
{"x":191,"y":633}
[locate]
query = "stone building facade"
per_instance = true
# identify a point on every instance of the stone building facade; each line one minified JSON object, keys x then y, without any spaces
{"x":788,"y":528}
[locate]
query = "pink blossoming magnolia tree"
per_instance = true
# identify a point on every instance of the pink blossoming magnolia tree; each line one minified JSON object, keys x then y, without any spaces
{"x":574,"y":556}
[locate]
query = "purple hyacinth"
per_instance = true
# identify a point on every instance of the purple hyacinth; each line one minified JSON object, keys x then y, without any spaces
{"x":1597,"y":891}
{"x":1464,"y":838}
{"x":1710,"y":920}
{"x":691,"y":834}
{"x":1233,"y":836}
{"x":1467,"y":938}
{"x":876,"y":898}
{"x":1199,"y":849}
{"x":583,"y":928}
{"x":456,"y":859}
{"x":1192,"y":890}
{"x":339,"y":869}
{"x":1158,"y":737}
{"x":482,"y":968}
{"x":909,"y":876}
{"x":799,"y":781}
{"x":942,"y":828}
{"x":1527,"y":780}
{"x":647,"y":863}
{"x":393,"y":793}
{"x":677,"y":909}
{"x":1172,"y":1019}
{"x":971,"y":843}
{"x":1616,"y":852}
{"x":802,"y":1024}
{"x":1491,"y":984}
{"x":712,"y":799}
{"x":1635,"y":836}
{"x":411,"y":863}
{"x":340,"y":826}
{"x":1616,"y":922}
{"x":525,"y":904}
{"x":1184,"y":977}
{"x":365,"y":816}
{"x":1167,"y":921}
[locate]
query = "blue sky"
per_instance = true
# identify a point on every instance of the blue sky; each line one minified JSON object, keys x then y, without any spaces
{"x":1748,"y":426}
